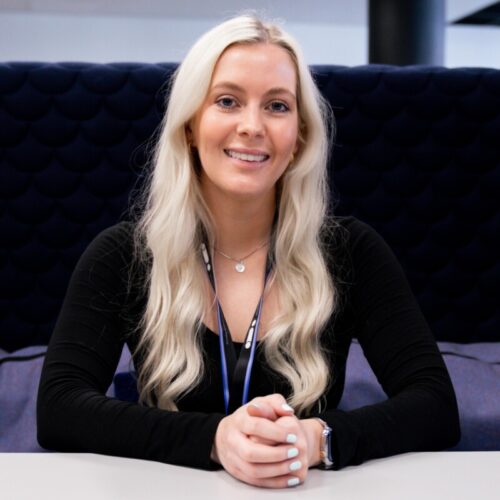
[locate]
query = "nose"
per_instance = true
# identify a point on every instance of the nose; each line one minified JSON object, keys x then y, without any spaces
{"x":251,"y":122}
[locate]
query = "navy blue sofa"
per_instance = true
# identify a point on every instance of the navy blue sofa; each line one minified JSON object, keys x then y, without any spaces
{"x":417,"y":156}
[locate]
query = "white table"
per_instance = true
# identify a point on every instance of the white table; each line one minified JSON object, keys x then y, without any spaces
{"x":419,"y":476}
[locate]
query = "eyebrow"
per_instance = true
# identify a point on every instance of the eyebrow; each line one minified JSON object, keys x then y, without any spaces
{"x":270,"y":92}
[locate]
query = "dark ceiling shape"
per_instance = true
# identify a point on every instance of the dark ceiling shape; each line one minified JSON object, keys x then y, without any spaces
{"x":489,"y":16}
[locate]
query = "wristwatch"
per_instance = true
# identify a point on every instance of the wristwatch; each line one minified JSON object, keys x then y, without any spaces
{"x":326,"y":447}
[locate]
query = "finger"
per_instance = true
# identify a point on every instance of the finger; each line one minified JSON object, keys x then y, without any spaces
{"x":272,"y":403}
{"x":260,"y":440}
{"x":257,"y":453}
{"x":288,"y":481}
{"x":263,"y":428}
{"x":293,"y":466}
{"x":289,"y":422}
{"x":261,"y":409}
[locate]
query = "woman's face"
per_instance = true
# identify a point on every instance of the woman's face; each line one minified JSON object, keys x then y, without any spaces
{"x":246,"y":131}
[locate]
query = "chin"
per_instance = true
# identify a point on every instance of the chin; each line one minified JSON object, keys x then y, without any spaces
{"x":251,"y":193}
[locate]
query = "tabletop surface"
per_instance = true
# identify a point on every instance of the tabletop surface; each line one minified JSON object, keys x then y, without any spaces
{"x":54,"y":476}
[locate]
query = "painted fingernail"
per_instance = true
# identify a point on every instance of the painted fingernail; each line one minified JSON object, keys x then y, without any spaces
{"x":286,"y":407}
{"x":296,"y":465}
{"x":291,"y":438}
{"x":292,"y":452}
{"x":294,"y":481}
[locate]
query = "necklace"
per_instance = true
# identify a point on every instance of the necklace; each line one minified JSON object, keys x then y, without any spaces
{"x":240,"y":263}
{"x":236,"y":369}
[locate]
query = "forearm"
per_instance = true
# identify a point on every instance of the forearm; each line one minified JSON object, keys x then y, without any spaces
{"x":86,"y":421}
{"x":415,"y":420}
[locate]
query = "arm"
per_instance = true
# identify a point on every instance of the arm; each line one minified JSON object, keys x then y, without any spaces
{"x":264,"y":444}
{"x":73,"y":413}
{"x":421,"y":412}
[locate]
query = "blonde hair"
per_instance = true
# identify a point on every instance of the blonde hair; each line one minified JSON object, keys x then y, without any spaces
{"x":175,"y":218}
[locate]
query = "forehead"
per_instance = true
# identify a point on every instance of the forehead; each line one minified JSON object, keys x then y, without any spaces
{"x":256,"y":65}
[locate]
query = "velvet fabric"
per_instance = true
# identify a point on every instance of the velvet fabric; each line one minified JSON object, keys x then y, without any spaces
{"x":416,"y":156}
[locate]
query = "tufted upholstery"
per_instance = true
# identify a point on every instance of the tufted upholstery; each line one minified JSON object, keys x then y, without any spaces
{"x":417,"y":156}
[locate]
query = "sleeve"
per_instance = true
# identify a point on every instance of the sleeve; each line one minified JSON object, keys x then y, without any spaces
{"x":421,"y":410}
{"x":73,"y":413}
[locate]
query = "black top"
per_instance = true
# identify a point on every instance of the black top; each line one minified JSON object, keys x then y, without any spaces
{"x":102,"y":309}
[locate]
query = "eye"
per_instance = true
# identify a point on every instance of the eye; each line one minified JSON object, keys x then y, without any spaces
{"x":226,"y":102}
{"x":278,"y":107}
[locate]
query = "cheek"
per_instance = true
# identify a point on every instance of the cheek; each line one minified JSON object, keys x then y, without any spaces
{"x":288,"y":139}
{"x":211,"y":130}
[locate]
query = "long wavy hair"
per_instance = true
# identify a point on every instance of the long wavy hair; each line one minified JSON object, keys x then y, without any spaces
{"x":175,"y":218}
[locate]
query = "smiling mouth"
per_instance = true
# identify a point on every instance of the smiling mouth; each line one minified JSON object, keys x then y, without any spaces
{"x":246,"y":156}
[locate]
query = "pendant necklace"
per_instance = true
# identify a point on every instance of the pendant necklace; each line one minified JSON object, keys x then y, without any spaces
{"x":236,"y":369}
{"x":240,"y":263}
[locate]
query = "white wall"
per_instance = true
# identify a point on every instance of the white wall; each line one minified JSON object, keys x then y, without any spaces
{"x":49,"y":37}
{"x":472,"y":46}
{"x":28,"y":36}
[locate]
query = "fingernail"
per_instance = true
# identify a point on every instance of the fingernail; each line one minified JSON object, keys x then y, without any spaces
{"x":292,"y":452}
{"x":286,"y":407}
{"x":291,"y":438}
{"x":255,"y":404}
{"x":296,"y":465}
{"x":294,"y":481}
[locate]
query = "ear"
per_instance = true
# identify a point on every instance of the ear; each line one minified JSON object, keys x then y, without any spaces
{"x":189,"y":135}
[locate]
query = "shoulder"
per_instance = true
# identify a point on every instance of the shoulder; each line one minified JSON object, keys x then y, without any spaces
{"x":113,"y":248}
{"x":340,"y":236}
{"x":348,"y":236}
{"x":117,"y":238}
{"x":354,"y":250}
{"x":347,"y":230}
{"x":121,"y":233}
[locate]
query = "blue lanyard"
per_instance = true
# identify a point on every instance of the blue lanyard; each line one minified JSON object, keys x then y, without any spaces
{"x":236,"y":373}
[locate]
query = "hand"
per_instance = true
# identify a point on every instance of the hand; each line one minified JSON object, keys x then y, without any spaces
{"x":273,"y":407}
{"x":258,"y":463}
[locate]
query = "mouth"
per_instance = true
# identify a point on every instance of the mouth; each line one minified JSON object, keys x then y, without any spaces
{"x":250,"y":157}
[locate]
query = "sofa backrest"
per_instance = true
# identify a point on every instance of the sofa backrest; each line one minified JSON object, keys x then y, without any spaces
{"x":417,"y":156}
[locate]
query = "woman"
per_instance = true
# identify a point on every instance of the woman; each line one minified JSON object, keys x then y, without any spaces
{"x":238,"y":295}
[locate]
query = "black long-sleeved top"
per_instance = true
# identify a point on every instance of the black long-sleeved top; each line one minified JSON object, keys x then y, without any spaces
{"x":102,"y":309}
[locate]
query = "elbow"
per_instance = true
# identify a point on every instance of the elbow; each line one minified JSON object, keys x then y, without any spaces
{"x":44,"y":430}
{"x":43,"y":438}
{"x":455,"y":432}
{"x":49,"y":423}
{"x":50,"y":434}
{"x":454,"y":429}
{"x":452,"y":432}
{"x":449,"y":431}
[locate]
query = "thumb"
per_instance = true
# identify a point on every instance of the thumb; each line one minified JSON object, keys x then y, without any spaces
{"x":263,"y":410}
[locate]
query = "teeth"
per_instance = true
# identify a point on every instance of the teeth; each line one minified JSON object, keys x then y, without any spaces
{"x":246,"y":157}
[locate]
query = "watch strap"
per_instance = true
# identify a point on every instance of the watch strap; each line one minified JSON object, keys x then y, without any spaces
{"x":327,"y":461}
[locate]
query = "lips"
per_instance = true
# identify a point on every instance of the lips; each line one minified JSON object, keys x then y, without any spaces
{"x":246,"y":156}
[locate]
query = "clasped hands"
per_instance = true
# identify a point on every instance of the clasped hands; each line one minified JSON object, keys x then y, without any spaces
{"x":264,"y":444}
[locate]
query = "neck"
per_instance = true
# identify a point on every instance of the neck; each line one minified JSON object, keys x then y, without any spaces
{"x":241,"y":225}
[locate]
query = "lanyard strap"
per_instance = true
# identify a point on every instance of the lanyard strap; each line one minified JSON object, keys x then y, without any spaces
{"x":236,"y":372}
